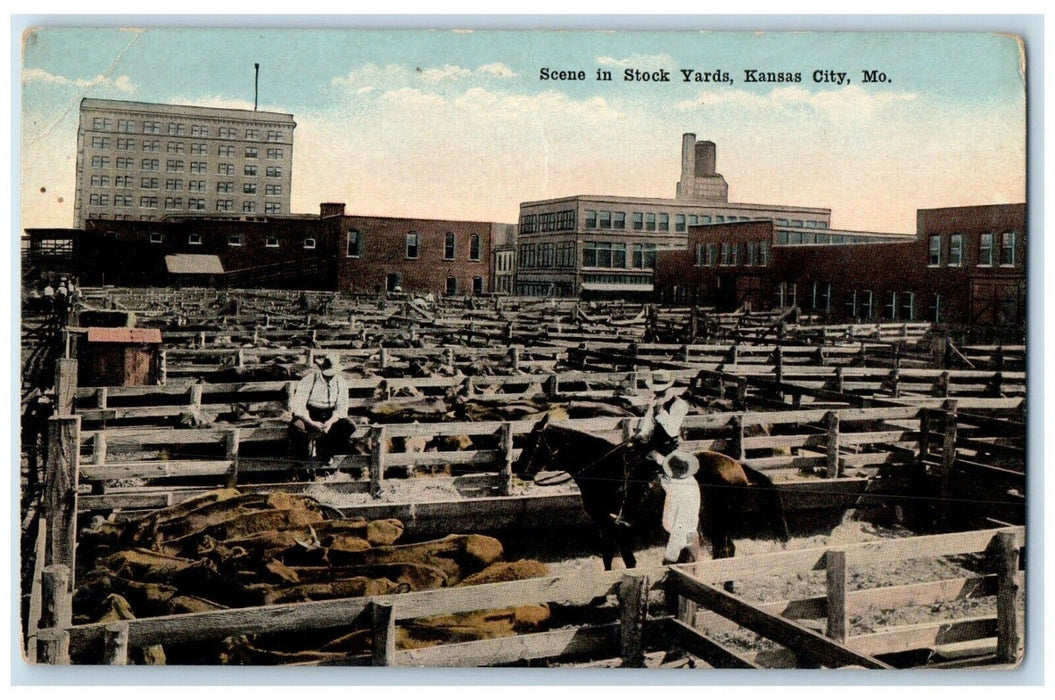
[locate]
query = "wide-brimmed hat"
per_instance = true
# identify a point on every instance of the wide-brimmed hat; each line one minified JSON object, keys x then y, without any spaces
{"x":330,"y":364}
{"x":681,"y":465}
{"x":660,"y":380}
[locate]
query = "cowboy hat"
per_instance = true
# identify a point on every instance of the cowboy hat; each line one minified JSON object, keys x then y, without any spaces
{"x":660,"y":380}
{"x":330,"y":364}
{"x":680,"y":465}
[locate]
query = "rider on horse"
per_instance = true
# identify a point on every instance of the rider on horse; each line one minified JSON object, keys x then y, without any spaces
{"x":658,"y":435}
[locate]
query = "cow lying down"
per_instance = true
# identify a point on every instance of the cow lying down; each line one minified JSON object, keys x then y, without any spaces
{"x":226,"y":549}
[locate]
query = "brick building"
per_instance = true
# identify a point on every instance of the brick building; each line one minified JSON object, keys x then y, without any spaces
{"x":139,"y":161}
{"x":965,"y":265}
{"x":329,"y":251}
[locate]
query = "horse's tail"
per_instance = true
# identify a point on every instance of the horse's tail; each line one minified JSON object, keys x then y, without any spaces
{"x":771,"y":502}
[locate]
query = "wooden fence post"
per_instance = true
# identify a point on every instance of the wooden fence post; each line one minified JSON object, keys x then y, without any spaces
{"x":943,"y":384}
{"x":633,"y":606}
{"x":60,"y":490}
{"x":377,"y":465}
{"x":514,"y":358}
{"x":56,"y":597}
{"x":741,"y":391}
{"x":65,"y":386}
{"x":232,"y":440}
{"x":835,"y":570}
{"x":101,"y":397}
{"x":1006,"y":569}
{"x":383,"y":622}
{"x":924,"y":433}
{"x":552,"y":385}
{"x":831,"y":420}
{"x":53,"y":647}
{"x":163,"y":367}
{"x":948,"y":460}
{"x":195,"y":396}
{"x":895,"y":383}
{"x":505,"y":486}
{"x":384,"y":358}
{"x":839,"y":385}
{"x":736,"y":448}
{"x":115,"y":644}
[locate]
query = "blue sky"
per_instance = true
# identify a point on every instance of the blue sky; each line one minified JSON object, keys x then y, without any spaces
{"x":458,"y":125}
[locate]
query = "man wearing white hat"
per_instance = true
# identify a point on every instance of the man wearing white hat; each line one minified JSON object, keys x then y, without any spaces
{"x":681,"y":507}
{"x":320,"y":423}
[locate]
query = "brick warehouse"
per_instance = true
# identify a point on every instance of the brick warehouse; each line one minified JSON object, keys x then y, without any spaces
{"x":965,"y":265}
{"x":329,"y":251}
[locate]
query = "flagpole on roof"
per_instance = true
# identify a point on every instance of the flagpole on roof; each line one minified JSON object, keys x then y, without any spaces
{"x":256,"y":84}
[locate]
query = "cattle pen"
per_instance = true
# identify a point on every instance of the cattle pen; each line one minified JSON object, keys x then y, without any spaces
{"x":898,"y":419}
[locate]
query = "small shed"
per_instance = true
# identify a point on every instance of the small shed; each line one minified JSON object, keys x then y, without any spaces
{"x":201,"y":270}
{"x":119,"y":357}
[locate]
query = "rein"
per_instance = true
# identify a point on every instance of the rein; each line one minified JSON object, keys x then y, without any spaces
{"x":557,"y":480}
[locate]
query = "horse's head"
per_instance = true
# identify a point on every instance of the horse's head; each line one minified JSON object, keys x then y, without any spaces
{"x":529,"y":463}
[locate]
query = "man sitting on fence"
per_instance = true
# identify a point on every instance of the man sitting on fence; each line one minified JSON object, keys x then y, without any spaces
{"x":320,"y":424}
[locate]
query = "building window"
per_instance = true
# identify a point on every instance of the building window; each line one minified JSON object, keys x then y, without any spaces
{"x":126,"y":144}
{"x":545,"y":255}
{"x":151,"y":127}
{"x":355,"y":243}
{"x":225,"y":151}
{"x":274,"y":135}
{"x":249,"y":188}
{"x":448,"y":246}
{"x":452,"y":286}
{"x":935,"y":251}
{"x":619,"y":220}
{"x":199,"y":149}
{"x":235,"y":239}
{"x":156,"y":237}
{"x":127,"y":126}
{"x":197,"y":130}
{"x":478,"y":286}
{"x":274,"y":171}
{"x":125,"y":163}
{"x":985,"y":250}
{"x":196,"y":185}
{"x":223,"y":205}
{"x":148,"y":183}
{"x":151,"y":146}
{"x":474,"y":247}
{"x":100,"y":142}
{"x":148,"y":202}
{"x":604,"y":220}
{"x":727,"y":255}
{"x":122,"y":200}
{"x":123,"y":181}
{"x":591,"y":218}
{"x":100,"y":161}
{"x":177,"y":129}
{"x":274,"y":153}
{"x":194,"y":239}
{"x":272,"y":208}
{"x":250,"y":170}
{"x":250,"y":152}
{"x":273,"y":190}
{"x":224,"y":187}
{"x":226,"y":132}
{"x":1007,"y":248}
{"x":174,"y":166}
{"x":891,"y":306}
{"x":309,"y":244}
{"x":248,"y":207}
{"x":151,"y":164}
{"x":937,"y":308}
{"x":271,"y":242}
{"x":100,"y":180}
{"x":603,"y":254}
{"x":225,"y":169}
{"x":650,"y":222}
{"x":664,"y":222}
{"x":638,"y":221}
{"x":99,"y":200}
{"x":174,"y":147}
{"x":252,"y":134}
{"x":174,"y":185}
{"x":196,"y":204}
{"x":412,"y":245}
{"x":908,"y":306}
{"x":644,"y":256}
{"x":679,"y":223}
{"x":763,"y":253}
{"x":956,"y":249}
{"x":198,"y":166}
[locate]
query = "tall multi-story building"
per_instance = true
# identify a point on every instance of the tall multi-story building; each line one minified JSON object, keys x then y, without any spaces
{"x":143,"y":162}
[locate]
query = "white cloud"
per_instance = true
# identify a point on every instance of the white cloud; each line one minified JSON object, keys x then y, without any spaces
{"x":121,"y":82}
{"x":408,"y":97}
{"x":498,"y":70}
{"x":447,"y":72}
{"x":645,"y":61}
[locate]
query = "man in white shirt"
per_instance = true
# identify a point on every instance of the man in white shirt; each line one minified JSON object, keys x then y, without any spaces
{"x":681,"y":507}
{"x":320,"y":426}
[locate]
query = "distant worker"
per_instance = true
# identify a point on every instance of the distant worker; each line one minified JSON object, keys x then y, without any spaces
{"x":49,"y":298}
{"x":320,"y":424}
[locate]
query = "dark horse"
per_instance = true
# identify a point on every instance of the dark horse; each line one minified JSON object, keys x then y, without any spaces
{"x":602,"y":473}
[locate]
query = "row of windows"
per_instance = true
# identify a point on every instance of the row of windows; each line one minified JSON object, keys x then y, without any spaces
{"x":991,"y":251}
{"x":234,"y":240}
{"x":413,"y":246}
{"x":552,"y":221}
{"x":196,"y":149}
{"x":196,"y":166}
{"x":594,"y":254}
{"x":652,"y":221}
{"x":177,"y":203}
{"x":129,"y":126}
{"x":802,"y":237}
{"x":750,"y":254}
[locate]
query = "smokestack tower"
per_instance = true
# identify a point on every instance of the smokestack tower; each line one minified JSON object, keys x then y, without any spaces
{"x":699,"y":180}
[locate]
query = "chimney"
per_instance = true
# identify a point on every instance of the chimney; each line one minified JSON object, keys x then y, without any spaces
{"x":705,"y":158}
{"x":688,"y":160}
{"x":327,"y":209}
